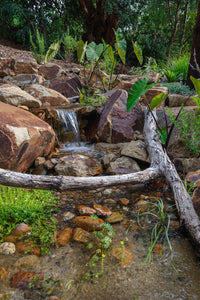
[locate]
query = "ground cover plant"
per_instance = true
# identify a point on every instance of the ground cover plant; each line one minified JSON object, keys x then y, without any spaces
{"x":33,"y":207}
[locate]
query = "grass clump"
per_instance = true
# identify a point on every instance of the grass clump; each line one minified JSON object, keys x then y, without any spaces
{"x":176,"y":88}
{"x":35,"y":208}
{"x":177,"y":68}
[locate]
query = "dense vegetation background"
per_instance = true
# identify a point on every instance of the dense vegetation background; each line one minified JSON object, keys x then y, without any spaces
{"x":162,"y":28}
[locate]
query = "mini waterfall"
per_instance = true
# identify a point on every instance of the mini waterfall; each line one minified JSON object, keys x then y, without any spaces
{"x":69,"y":121}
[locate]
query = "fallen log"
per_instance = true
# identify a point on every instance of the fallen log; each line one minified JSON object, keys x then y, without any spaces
{"x":160,"y":166}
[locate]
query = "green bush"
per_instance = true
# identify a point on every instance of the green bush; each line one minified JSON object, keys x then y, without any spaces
{"x":177,"y":68}
{"x":69,"y":45}
{"x":176,"y":88}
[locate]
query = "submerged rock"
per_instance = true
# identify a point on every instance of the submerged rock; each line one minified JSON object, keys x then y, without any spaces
{"x":64,"y":236}
{"x":102,"y":210}
{"x":22,"y":279}
{"x":81,"y":235}
{"x":78,"y":165}
{"x":7,"y":248}
{"x":115,"y":218}
{"x":136,"y":150}
{"x":85,"y":210}
{"x":88,"y":223}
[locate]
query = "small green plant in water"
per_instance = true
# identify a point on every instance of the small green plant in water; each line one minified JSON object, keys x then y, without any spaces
{"x":35,"y":208}
{"x":160,"y":231}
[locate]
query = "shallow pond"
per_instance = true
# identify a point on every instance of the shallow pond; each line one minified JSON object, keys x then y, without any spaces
{"x":67,"y":265}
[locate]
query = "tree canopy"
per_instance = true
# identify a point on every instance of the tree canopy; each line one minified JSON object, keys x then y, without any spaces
{"x":161,"y":28}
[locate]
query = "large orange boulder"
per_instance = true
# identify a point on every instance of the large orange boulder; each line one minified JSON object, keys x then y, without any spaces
{"x":23,"y":137}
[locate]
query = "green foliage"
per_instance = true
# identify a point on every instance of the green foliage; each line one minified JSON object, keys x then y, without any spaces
{"x":176,"y":88}
{"x":81,"y":48}
{"x":157,"y":100}
{"x":39,"y":49}
{"x":93,"y":51}
{"x":35,"y":208}
{"x":95,"y":100}
{"x":172,"y":76}
{"x":160,"y":231}
{"x":69,"y":45}
{"x":138,"y":52}
{"x":121,"y":44}
{"x":196,"y":83}
{"x":137,"y":90}
{"x":189,"y":125}
{"x":177,"y":68}
{"x":52,"y":51}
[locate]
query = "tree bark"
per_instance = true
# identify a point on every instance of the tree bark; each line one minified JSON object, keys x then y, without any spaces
{"x":99,"y":25}
{"x":160,"y":166}
{"x":194,"y":66}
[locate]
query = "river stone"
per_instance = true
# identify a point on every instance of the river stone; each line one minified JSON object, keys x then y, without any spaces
{"x":21,"y":229}
{"x":26,"y":261}
{"x":48,"y":97}
{"x":25,"y":65}
{"x":88,"y":223}
{"x":115,"y":218}
{"x":196,"y":200}
{"x":186,"y":165}
{"x":81,"y":235}
{"x":5,"y":67}
{"x":85,"y":210}
{"x":136,"y":150}
{"x":64,"y":236}
{"x":22,"y":80}
{"x":123,"y":255}
{"x":7,"y":248}
{"x":176,"y":100}
{"x":67,"y":87}
{"x":193,"y":177}
{"x":23,"y":137}
{"x":13,"y":95}
{"x":28,"y":247}
{"x":22,"y":279}
{"x":102,"y":210}
{"x":50,"y":70}
{"x":116,"y":124}
{"x":123,"y":165}
{"x":78,"y":165}
{"x":107,"y":159}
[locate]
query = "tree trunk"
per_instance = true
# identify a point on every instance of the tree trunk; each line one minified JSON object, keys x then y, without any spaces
{"x":160,"y":166}
{"x":194,"y":66}
{"x":174,"y":28}
{"x":98,"y":24}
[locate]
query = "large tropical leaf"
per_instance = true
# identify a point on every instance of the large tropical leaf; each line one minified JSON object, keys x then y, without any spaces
{"x":137,"y":90}
{"x":121,"y":45}
{"x":197,"y":100}
{"x":81,"y":50}
{"x":94,"y":51}
{"x":138,"y":52}
{"x":157,"y":100}
{"x":196,"y":83}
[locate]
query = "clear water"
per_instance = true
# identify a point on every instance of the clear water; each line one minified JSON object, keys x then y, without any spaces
{"x":69,"y":121}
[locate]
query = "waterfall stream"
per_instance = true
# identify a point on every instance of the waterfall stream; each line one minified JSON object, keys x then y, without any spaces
{"x":69,"y":121}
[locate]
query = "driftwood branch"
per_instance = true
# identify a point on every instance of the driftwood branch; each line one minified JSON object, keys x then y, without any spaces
{"x":160,"y":166}
{"x":161,"y":161}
